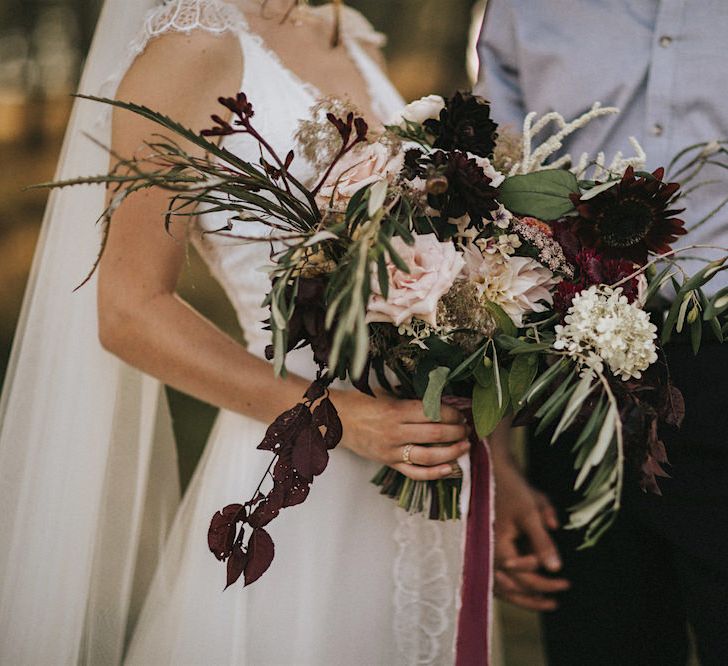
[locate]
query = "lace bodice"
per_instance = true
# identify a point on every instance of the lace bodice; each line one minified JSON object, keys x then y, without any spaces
{"x":281,"y":99}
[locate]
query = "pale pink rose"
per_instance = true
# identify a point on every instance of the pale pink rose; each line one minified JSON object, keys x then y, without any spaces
{"x":520,"y":285}
{"x":365,"y":165}
{"x":433,"y":268}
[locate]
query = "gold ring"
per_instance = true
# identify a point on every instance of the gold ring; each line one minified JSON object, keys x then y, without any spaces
{"x":406,"y":454}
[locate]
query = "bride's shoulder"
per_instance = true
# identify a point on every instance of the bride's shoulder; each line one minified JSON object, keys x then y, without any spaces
{"x":189,"y":53}
{"x":196,"y":38}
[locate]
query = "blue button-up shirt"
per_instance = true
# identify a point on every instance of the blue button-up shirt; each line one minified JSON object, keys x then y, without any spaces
{"x":664,"y":63}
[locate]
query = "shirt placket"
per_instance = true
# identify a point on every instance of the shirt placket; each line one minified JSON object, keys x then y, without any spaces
{"x":659,"y":120}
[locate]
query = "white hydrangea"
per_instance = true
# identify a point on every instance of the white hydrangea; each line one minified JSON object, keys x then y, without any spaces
{"x":602,"y":326}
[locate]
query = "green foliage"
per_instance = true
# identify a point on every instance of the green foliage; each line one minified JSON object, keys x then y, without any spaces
{"x":542,"y":194}
{"x":491,"y":397}
{"x":523,"y":372}
{"x":431,"y":401}
{"x":503,"y":321}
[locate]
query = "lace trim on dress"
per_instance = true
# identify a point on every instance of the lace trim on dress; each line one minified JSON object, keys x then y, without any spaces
{"x":187,"y":15}
{"x":425,"y":595}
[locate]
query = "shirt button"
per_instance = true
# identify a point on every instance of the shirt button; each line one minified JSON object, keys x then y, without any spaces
{"x":657,"y":129}
{"x":665,"y":41}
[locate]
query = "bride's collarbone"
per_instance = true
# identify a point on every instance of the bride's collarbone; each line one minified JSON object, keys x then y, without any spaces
{"x":307,"y":52}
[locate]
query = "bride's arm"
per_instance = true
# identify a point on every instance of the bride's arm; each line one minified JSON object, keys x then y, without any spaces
{"x":145,"y":323}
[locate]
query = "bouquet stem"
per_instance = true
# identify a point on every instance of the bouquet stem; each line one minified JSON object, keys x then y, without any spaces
{"x":438,"y":500}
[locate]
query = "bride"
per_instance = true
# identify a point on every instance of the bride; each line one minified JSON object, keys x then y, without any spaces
{"x":99,"y":564}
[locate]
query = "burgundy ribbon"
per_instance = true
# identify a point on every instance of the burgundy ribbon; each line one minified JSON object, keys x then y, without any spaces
{"x":476,"y":594}
{"x":472,"y":647}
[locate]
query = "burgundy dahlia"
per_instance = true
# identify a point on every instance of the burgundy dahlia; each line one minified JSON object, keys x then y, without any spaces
{"x":465,"y":124}
{"x":459,"y":186}
{"x":631,"y":218}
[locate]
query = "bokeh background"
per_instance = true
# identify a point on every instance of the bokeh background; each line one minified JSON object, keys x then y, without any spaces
{"x":42,"y":48}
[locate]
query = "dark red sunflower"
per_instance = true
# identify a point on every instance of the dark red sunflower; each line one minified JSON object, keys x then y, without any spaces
{"x":632,"y":218}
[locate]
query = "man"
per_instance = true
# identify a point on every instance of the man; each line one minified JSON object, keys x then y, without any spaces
{"x":665,"y":562}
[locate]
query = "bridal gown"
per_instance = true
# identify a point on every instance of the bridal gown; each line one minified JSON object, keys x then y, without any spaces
{"x":355,"y":580}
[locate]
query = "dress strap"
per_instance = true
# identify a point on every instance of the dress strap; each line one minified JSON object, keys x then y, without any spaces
{"x":355,"y":25}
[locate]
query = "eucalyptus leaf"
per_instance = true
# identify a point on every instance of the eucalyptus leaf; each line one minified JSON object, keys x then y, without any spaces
{"x":465,"y":365}
{"x":582,"y":392}
{"x":523,"y":371}
{"x":377,"y":197}
{"x":555,"y":403}
{"x":433,"y":394}
{"x":658,"y":281}
{"x":503,"y":321}
{"x":483,"y":372}
{"x":543,"y":194}
{"x":597,"y":453}
{"x":585,"y":512}
{"x":589,"y":432}
{"x":383,"y":276}
{"x":487,"y":414}
{"x":598,"y":189}
{"x":545,"y":379}
{"x":696,"y":335}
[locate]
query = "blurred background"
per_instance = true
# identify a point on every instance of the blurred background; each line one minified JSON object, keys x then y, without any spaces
{"x":42,"y":48}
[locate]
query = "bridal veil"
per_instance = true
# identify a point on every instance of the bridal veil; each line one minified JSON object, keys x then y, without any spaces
{"x":88,"y":481}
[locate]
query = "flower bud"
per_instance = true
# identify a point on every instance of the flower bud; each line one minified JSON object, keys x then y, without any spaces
{"x":437,"y":185}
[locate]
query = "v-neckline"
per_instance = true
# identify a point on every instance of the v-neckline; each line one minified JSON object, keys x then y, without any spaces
{"x":313,"y":91}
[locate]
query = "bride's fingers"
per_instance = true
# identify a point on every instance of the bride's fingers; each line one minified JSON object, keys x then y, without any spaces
{"x":418,"y":473}
{"x":431,"y":433}
{"x":412,"y":411}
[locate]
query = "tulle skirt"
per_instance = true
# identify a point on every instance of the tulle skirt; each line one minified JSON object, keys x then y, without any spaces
{"x":355,"y":580}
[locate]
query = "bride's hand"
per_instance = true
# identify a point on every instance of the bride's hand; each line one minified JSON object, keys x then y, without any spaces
{"x":389,"y":431}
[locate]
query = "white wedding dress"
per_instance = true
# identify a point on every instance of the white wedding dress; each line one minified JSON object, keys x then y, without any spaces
{"x":355,"y":580}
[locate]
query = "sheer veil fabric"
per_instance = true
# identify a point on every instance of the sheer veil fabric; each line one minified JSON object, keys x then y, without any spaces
{"x":88,"y":478}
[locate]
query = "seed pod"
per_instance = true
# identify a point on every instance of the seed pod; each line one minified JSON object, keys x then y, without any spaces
{"x":437,"y":185}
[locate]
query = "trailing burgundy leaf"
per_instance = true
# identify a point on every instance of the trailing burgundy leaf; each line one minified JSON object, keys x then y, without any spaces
{"x":674,"y":411}
{"x":260,"y":555}
{"x":297,"y":491}
{"x":236,"y":565}
{"x":362,"y":383}
{"x":223,"y":527}
{"x":310,"y":455}
{"x":294,"y":487}
{"x":315,"y":391}
{"x":325,"y":415}
{"x":268,"y":509}
{"x":283,"y":431}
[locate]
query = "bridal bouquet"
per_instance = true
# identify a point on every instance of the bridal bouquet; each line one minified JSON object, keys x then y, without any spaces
{"x":447,"y":259}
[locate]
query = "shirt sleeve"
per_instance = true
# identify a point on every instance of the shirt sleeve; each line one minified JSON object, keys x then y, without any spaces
{"x":498,"y":77}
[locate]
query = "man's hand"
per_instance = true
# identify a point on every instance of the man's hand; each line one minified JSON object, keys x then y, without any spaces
{"x":523,"y":518}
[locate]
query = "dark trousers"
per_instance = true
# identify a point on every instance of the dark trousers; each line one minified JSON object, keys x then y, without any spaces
{"x":665,"y":562}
